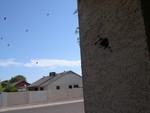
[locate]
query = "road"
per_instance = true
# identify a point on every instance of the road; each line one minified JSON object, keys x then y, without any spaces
{"x":77,"y":107}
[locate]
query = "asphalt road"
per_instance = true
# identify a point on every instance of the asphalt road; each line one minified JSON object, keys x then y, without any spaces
{"x":77,"y":107}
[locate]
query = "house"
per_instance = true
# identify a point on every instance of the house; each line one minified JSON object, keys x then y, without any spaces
{"x":21,"y":85}
{"x":57,"y":81}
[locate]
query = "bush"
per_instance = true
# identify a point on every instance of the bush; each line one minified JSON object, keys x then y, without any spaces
{"x":10,"y":89}
{"x":1,"y":89}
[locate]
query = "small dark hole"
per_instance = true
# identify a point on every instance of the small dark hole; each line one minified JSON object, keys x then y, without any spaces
{"x":104,"y":43}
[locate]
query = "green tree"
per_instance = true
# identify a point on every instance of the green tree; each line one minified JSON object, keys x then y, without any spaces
{"x":10,"y":89}
{"x":5,"y":83}
{"x":17,"y":79}
{"x":1,"y":88}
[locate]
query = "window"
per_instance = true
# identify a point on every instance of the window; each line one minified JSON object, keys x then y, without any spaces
{"x":36,"y":89}
{"x":57,"y":87}
{"x":70,"y":86}
{"x":41,"y":88}
{"x":76,"y":86}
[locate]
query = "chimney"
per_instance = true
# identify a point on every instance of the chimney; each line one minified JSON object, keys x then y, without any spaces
{"x":52,"y":74}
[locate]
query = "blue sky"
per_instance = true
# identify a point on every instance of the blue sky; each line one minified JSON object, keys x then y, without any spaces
{"x":38,"y":37}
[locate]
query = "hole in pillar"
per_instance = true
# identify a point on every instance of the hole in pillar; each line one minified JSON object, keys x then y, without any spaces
{"x":104,"y":43}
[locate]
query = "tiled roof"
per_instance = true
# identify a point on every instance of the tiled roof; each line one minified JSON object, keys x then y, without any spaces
{"x":13,"y":84}
{"x":40,"y":81}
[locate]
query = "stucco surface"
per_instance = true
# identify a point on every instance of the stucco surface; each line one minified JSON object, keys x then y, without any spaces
{"x":0,"y":100}
{"x":30,"y":97}
{"x":38,"y":96}
{"x":115,"y":58}
{"x":65,"y":81}
{"x":17,"y":98}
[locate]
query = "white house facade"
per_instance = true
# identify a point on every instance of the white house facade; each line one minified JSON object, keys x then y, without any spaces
{"x":69,"y":81}
{"x":57,"y":81}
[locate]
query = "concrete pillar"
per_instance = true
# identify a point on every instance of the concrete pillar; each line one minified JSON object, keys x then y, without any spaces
{"x":0,"y":99}
{"x":115,"y":56}
{"x":4,"y":101}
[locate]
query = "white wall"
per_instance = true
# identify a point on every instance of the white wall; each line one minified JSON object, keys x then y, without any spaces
{"x":38,"y":96}
{"x":65,"y":81}
{"x":20,"y":98}
{"x":0,"y":99}
{"x":76,"y":93}
{"x":55,"y":95}
{"x":17,"y":98}
{"x":65,"y":94}
{"x":4,"y":99}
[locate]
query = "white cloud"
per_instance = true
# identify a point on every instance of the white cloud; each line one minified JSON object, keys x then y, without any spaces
{"x":47,"y":63}
{"x":8,"y":62}
{"x":42,"y":63}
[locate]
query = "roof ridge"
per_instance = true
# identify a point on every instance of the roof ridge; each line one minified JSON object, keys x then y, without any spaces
{"x":47,"y":80}
{"x":17,"y":82}
{"x":51,"y":81}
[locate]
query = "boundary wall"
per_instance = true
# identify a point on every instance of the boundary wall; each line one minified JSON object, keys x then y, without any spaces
{"x":29,"y":97}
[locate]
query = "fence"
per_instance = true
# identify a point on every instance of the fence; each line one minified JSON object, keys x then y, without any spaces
{"x":0,"y":99}
{"x":37,"y":96}
{"x":20,"y":98}
{"x":17,"y":98}
{"x":56,"y":95}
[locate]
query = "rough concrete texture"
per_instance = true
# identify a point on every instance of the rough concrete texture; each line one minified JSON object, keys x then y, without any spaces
{"x":115,"y":57}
